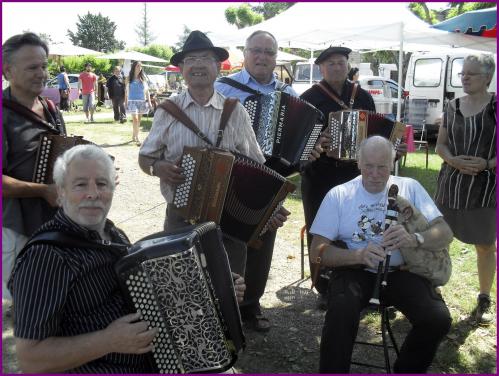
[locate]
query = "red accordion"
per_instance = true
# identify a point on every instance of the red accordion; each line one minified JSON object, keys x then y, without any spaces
{"x":233,"y":190}
{"x":349,"y":127}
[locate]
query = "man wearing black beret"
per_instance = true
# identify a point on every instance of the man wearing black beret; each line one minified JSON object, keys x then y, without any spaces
{"x":334,"y":93}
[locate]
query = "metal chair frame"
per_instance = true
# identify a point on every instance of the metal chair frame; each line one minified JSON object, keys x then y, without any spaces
{"x":418,"y":121}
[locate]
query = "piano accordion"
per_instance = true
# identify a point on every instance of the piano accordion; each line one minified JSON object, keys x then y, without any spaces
{"x":244,"y":196}
{"x":349,"y":127}
{"x":181,"y":283}
{"x":286,"y":127}
{"x":49,"y":148}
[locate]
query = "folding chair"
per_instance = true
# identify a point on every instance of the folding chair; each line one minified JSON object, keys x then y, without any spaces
{"x":386,"y":328}
{"x":415,"y":115}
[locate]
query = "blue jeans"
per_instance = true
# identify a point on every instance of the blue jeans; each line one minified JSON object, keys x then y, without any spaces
{"x":349,"y":293}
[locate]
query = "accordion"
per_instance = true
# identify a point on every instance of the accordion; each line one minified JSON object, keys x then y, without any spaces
{"x":50,"y":147}
{"x":349,"y":127}
{"x":182,"y":285}
{"x":246,"y":194}
{"x":286,"y":127}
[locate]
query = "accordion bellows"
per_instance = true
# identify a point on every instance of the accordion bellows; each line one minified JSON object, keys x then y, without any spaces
{"x":286,"y":127}
{"x":49,"y":148}
{"x":181,"y":283}
{"x":349,"y":128}
{"x":233,"y":190}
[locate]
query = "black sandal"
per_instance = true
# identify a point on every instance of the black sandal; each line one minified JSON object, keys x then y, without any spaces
{"x":258,"y":323}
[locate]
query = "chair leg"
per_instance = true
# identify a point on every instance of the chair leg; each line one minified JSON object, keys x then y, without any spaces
{"x":302,"y":243}
{"x":426,"y":156}
{"x":384,"y":319}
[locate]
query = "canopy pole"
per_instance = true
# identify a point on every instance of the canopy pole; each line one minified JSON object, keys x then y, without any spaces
{"x":401,"y":67}
{"x":399,"y":91}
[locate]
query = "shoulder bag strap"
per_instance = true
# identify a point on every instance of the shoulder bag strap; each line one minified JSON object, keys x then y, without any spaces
{"x":178,"y":114}
{"x":229,"y":106}
{"x":238,"y":85}
{"x":331,"y":95}
{"x":354,"y":91}
{"x":28,"y":114}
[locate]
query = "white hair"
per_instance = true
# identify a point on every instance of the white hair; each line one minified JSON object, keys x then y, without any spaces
{"x":376,"y":142}
{"x":485,"y":61}
{"x":92,"y":152}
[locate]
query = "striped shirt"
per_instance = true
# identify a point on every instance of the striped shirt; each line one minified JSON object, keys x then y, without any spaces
{"x":476,"y":136}
{"x":167,"y":137}
{"x":65,"y":292}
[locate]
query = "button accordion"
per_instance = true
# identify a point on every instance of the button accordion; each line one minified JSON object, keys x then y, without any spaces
{"x":349,"y":127}
{"x":50,"y":147}
{"x":181,"y":283}
{"x":244,"y":197}
{"x":286,"y":127}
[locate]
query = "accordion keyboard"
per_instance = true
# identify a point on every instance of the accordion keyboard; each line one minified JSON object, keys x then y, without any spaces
{"x":188,"y":165}
{"x":41,"y":170}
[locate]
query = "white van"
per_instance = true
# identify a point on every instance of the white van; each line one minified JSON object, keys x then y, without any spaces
{"x":435,"y":76}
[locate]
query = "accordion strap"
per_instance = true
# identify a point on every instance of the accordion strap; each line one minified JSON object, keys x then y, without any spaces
{"x":63,"y":239}
{"x":28,"y":114}
{"x":174,"y":110}
{"x":238,"y":85}
{"x":335,"y":98}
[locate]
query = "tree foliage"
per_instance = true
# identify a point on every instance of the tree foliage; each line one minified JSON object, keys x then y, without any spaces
{"x":143,"y":30}
{"x":246,"y":15}
{"x":433,"y":16}
{"x":242,"y":16}
{"x":96,"y":32}
{"x":76,"y":64}
{"x":459,"y":8}
{"x":181,"y":40}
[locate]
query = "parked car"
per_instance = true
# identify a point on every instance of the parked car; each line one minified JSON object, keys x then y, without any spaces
{"x":385,"y":94}
{"x":73,"y":81}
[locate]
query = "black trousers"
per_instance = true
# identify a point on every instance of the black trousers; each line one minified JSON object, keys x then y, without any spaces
{"x":349,"y":293}
{"x":119,"y":108}
{"x":317,"y":179}
{"x":257,"y":272}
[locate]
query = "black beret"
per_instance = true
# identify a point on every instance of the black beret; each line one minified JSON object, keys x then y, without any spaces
{"x":332,"y":50}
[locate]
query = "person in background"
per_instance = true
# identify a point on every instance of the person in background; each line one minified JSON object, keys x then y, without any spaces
{"x":25,"y":117}
{"x":257,"y":75}
{"x":64,"y":89}
{"x":137,"y":98}
{"x":353,"y":74}
{"x":466,"y":189}
{"x":101,"y":90}
{"x":87,"y":85}
{"x":116,"y":89}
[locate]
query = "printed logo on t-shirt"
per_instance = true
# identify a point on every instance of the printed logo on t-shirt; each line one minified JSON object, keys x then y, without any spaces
{"x":370,"y":223}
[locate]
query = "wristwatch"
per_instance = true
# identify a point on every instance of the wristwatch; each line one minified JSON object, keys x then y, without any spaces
{"x":419,"y":238}
{"x":151,"y":167}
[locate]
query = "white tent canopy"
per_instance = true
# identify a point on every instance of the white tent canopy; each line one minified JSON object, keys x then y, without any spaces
{"x":375,"y":25}
{"x":66,"y":49}
{"x":132,"y":55}
{"x":358,"y":25}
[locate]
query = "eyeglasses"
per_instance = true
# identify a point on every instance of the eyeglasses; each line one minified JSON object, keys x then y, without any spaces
{"x":191,"y":60}
{"x":461,"y":74}
{"x":260,"y":51}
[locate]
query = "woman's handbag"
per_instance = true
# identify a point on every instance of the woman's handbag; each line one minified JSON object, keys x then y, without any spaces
{"x":64,"y":93}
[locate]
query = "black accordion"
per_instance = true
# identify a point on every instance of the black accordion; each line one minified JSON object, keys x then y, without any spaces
{"x":286,"y":127}
{"x":348,"y":128}
{"x":50,"y":147}
{"x":182,"y":285}
{"x":246,"y":197}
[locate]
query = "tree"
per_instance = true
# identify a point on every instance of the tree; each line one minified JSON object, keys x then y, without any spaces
{"x":181,"y":40}
{"x":246,"y":15}
{"x":459,"y":8}
{"x":269,"y":10}
{"x":453,"y":9}
{"x":143,"y":31}
{"x":95,"y":32}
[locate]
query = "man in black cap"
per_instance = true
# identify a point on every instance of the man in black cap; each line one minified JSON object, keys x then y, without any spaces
{"x":334,"y":93}
{"x":199,"y":62}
